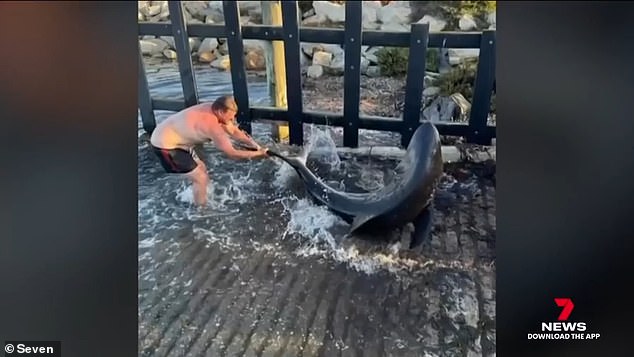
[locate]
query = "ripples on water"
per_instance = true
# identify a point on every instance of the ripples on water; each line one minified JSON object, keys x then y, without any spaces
{"x":259,"y":204}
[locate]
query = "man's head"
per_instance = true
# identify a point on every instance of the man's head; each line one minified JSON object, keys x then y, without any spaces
{"x":225,"y":108}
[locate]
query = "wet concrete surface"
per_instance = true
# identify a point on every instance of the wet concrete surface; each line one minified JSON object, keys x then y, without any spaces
{"x":266,"y":273}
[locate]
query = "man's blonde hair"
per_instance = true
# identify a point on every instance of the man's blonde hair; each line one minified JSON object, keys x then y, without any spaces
{"x":225,"y":103}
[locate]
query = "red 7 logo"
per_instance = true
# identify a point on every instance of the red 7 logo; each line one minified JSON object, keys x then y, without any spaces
{"x":567,"y":305}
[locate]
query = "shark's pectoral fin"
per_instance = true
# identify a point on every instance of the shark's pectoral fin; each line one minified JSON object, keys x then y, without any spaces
{"x":358,"y":221}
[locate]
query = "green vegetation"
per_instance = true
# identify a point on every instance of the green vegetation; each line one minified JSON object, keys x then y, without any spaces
{"x":393,"y":60}
{"x":461,"y":79}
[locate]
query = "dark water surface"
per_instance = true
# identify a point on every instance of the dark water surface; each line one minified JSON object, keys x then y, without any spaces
{"x":264,"y":271}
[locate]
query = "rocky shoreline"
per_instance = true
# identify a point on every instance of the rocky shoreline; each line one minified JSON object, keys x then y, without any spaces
{"x":322,"y":64}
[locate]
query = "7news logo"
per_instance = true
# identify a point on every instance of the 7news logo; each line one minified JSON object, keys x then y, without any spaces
{"x":561,"y":329}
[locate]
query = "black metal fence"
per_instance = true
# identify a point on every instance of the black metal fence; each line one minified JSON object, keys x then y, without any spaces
{"x":352,"y":37}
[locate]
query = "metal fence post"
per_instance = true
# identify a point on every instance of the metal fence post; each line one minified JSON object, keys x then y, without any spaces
{"x":183,"y":53}
{"x":482,"y":91}
{"x":293,"y":72}
{"x":145,"y":99}
{"x":416,"y":64}
{"x":352,"y":73}
{"x":236,"y":59}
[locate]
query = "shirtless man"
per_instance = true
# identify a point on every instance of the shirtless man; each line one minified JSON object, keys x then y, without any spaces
{"x":174,"y":139}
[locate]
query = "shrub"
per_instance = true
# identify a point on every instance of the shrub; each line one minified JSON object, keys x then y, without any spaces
{"x":393,"y":60}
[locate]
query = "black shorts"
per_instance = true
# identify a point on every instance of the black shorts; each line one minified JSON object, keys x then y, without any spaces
{"x":176,"y":161}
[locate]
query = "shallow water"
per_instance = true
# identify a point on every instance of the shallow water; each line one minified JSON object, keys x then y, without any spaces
{"x":268,"y":192}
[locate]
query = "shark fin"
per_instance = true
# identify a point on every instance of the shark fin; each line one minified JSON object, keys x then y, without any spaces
{"x":358,"y":221}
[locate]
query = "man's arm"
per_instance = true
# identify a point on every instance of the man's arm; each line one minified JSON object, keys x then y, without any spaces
{"x":224,"y":144}
{"x":240,"y":135}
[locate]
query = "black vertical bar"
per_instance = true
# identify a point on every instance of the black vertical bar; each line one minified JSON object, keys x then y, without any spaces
{"x":352,"y":73}
{"x":145,"y":99}
{"x":416,"y":63}
{"x":183,"y":53}
{"x":485,"y":78}
{"x":236,"y":58}
{"x":293,"y":72}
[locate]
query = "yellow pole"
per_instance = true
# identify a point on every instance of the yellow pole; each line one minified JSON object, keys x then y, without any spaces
{"x":279,"y":69}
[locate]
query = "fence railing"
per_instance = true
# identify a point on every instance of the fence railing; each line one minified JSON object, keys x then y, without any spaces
{"x":352,"y":37}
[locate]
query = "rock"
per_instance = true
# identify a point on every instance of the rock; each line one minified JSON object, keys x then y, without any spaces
{"x":467,"y":23}
{"x":336,"y":66}
{"x":368,"y":13}
{"x":322,"y":58}
{"x":371,"y":25}
{"x":194,"y":44}
{"x":304,"y":60}
{"x":308,"y":13}
{"x":223,"y":48}
{"x":255,"y":60}
{"x":196,"y":8}
{"x":310,"y":48}
{"x":153,"y":47}
{"x":151,"y":10}
{"x":209,"y":20}
{"x":169,"y":54}
{"x":246,"y":6}
{"x":373,"y":71}
{"x":394,"y":27}
{"x":222,"y":63}
{"x":461,"y":102}
{"x":457,"y":55}
{"x":314,"y":21}
{"x":140,"y":17}
{"x":443,"y":108}
{"x":431,"y":91}
{"x":371,"y":5}
{"x":393,"y":13}
{"x":315,"y":71}
{"x":435,"y":25}
{"x":331,"y":11}
{"x":148,"y":37}
{"x":365,"y":64}
{"x":206,"y":57}
{"x":169,"y":40}
{"x":253,"y":45}
{"x":245,"y":20}
{"x":208,"y":45}
{"x":370,"y":55}
{"x":491,"y":17}
{"x":164,"y":12}
{"x":215,"y":12}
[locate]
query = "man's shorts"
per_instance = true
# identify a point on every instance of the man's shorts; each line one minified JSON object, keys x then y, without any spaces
{"x":176,"y":161}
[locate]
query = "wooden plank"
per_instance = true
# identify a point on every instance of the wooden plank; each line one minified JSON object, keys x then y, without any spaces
{"x":365,"y":122}
{"x":352,"y":73}
{"x":482,"y":90}
{"x":293,"y":72}
{"x":183,"y":53}
{"x":236,"y":58}
{"x":320,"y":35}
{"x":414,"y":82}
{"x":155,"y":28}
{"x":207,"y":30}
{"x":145,"y":99}
{"x":168,"y":104}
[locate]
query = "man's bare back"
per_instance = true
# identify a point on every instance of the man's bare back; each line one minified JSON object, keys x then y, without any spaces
{"x":184,"y":129}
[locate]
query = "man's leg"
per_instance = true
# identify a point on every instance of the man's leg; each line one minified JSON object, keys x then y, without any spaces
{"x":200,"y":181}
